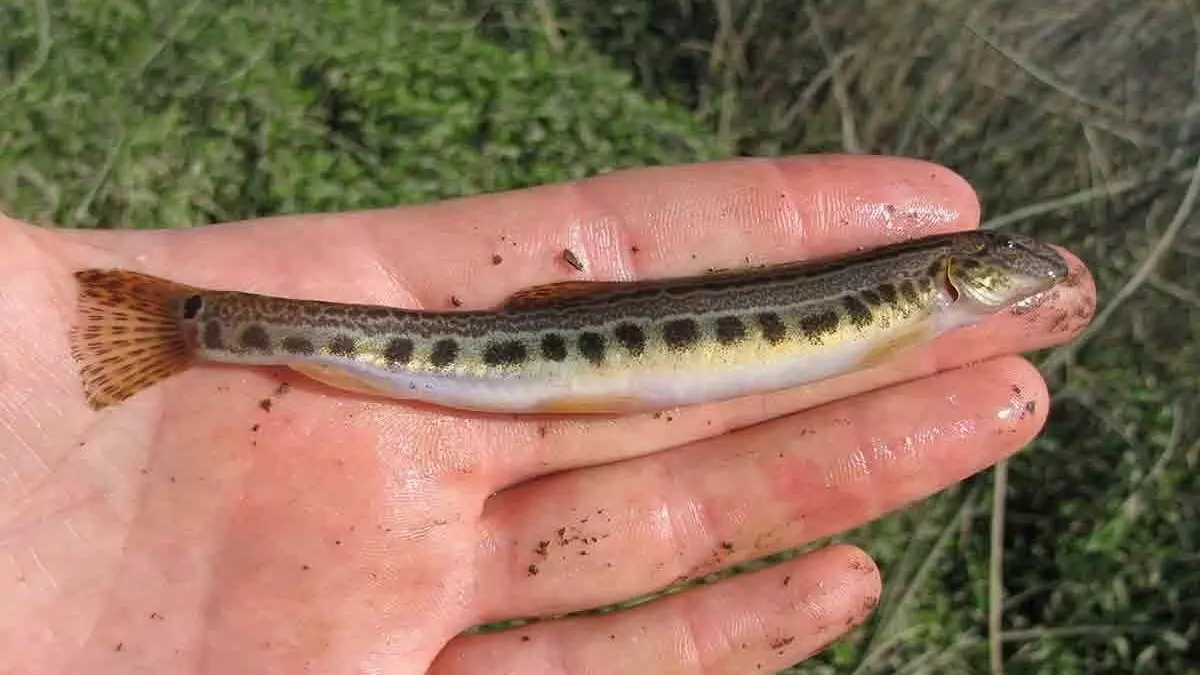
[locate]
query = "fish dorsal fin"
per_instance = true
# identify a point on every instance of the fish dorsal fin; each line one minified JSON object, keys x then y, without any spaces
{"x":549,"y":294}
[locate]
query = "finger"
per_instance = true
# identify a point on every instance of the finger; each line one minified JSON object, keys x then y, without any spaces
{"x":634,"y":224}
{"x":631,"y":224}
{"x":757,"y":622}
{"x":593,"y":536}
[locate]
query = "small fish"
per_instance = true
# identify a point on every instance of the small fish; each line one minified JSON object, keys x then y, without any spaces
{"x":574,"y":346}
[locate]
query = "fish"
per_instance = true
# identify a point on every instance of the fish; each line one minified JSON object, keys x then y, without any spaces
{"x":570,"y":347}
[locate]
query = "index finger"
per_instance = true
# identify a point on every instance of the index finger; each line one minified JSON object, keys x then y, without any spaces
{"x":640,"y":223}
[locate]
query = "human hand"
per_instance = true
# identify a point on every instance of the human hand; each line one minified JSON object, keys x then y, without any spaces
{"x":219,"y":524}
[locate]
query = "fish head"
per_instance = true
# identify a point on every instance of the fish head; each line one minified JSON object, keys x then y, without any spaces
{"x":994,"y":270}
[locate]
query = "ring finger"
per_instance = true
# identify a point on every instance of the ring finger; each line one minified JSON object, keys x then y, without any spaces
{"x":756,"y":622}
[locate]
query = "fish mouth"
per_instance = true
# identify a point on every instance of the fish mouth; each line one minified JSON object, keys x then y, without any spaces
{"x":1033,"y":259}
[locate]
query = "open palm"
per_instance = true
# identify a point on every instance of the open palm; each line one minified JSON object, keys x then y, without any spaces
{"x":251,"y":521}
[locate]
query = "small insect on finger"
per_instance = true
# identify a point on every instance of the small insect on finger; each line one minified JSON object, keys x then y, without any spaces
{"x":571,"y":259}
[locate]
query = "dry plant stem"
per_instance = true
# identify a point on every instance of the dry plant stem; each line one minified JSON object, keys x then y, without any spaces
{"x":1064,"y":354}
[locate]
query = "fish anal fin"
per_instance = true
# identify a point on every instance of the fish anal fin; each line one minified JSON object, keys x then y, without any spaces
{"x":590,"y":405}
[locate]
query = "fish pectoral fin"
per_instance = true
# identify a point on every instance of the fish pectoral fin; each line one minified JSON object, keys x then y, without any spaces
{"x":337,"y":378}
{"x":901,"y":341}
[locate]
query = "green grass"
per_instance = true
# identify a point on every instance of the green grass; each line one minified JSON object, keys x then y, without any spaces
{"x":164,"y":114}
{"x":1075,"y":120}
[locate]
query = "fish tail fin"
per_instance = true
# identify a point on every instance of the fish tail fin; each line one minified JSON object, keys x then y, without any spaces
{"x":129,"y":332}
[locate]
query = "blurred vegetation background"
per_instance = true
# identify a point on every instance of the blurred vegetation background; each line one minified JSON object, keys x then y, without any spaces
{"x":1075,"y":119}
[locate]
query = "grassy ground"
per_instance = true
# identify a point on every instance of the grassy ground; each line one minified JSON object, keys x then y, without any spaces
{"x":1076,"y":120}
{"x":164,"y":114}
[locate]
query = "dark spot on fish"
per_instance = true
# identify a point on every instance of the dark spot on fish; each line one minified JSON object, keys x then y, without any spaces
{"x":730,"y":329}
{"x":554,"y":347}
{"x":192,"y":306}
{"x":497,"y":258}
{"x":681,"y":333}
{"x":887,"y":292}
{"x":819,"y":324}
{"x":505,"y":353}
{"x":212,"y":335}
{"x":860,"y":314}
{"x":772,"y":327}
{"x":297,"y":345}
{"x":455,"y":301}
{"x":632,"y":338}
{"x":266,"y":404}
{"x":634,"y":249}
{"x":533,"y":569}
{"x":255,"y":336}
{"x":569,"y":257}
{"x":591,"y":345}
{"x":398,"y":351}
{"x":445,"y":351}
{"x":343,"y":345}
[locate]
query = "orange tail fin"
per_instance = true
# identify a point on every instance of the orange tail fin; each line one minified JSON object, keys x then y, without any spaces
{"x":128,"y":333}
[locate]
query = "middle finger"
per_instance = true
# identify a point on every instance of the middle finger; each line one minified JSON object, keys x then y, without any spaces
{"x":594,"y":536}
